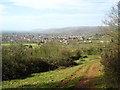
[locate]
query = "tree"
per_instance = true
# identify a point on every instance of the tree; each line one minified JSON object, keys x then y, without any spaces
{"x":111,"y":27}
{"x":111,"y":58}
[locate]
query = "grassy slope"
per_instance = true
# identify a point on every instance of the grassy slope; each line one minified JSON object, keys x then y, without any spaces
{"x":77,"y":77}
{"x":52,"y":79}
{"x":45,"y":79}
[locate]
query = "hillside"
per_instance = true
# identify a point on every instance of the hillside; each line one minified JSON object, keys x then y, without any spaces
{"x":66,"y":30}
{"x":71,"y":77}
{"x":70,"y":30}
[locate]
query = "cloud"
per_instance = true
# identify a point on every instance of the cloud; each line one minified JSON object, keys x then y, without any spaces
{"x":55,"y":13}
{"x":65,"y":5}
{"x":113,"y":0}
{"x":2,"y":9}
{"x":50,"y":21}
{"x":73,"y":15}
{"x":51,"y":4}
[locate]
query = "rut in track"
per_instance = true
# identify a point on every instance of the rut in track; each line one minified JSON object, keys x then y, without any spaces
{"x":72,"y":76}
{"x":88,"y":80}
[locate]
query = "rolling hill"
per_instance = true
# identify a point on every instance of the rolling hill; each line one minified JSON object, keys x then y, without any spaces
{"x":70,"y":30}
{"x":66,"y":30}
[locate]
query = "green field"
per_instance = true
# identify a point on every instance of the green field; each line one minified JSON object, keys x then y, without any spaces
{"x":56,"y":54}
{"x":32,"y":44}
{"x":52,"y":79}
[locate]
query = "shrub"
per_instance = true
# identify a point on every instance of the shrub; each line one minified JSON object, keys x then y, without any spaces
{"x":111,"y":64}
{"x":93,"y":50}
{"x":19,"y":61}
{"x":17,"y":64}
{"x":76,"y":55}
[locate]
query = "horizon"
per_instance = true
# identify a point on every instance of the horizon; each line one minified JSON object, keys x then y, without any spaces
{"x":46,"y":29}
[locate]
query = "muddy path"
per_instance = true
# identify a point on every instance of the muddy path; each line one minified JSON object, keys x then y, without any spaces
{"x":89,"y":79}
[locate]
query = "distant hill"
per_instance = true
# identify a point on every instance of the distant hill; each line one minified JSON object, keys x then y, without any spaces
{"x":67,"y":30}
{"x":72,"y":30}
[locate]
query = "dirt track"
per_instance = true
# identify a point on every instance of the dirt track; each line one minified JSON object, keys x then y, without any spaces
{"x":65,"y":81}
{"x":89,"y":79}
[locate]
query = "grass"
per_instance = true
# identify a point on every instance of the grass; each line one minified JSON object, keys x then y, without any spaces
{"x":8,"y":44}
{"x":48,"y":79}
{"x":32,"y":44}
{"x":51,"y":79}
{"x":99,"y":81}
{"x":89,"y":57}
{"x":98,"y":75}
{"x":77,"y":77}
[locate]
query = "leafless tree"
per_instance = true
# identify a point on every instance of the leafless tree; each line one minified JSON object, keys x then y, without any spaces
{"x":111,"y":22}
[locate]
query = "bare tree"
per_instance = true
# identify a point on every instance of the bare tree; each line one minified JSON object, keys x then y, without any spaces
{"x":111,"y":22}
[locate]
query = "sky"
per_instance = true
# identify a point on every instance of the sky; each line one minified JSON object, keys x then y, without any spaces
{"x":26,"y":15}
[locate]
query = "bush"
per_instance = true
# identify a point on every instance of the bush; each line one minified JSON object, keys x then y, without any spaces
{"x":19,"y":61}
{"x":13,"y":69}
{"x":111,"y":64}
{"x":93,"y":50}
{"x":76,"y":55}
{"x":17,"y":64}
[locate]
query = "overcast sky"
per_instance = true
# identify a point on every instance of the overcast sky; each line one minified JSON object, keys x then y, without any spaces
{"x":45,"y":14}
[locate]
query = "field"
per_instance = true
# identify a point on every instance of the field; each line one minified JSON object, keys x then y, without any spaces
{"x":60,"y":78}
{"x":27,"y":44}
{"x":53,"y":65}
